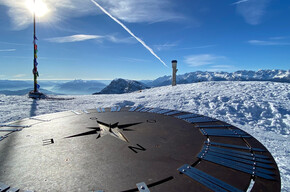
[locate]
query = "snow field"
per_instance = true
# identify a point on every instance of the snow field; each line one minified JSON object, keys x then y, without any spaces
{"x":260,"y":108}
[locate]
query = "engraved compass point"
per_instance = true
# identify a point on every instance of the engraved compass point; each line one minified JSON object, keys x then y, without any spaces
{"x":107,"y":129}
{"x":113,"y":130}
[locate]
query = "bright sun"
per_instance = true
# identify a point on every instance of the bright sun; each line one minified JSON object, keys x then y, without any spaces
{"x":40,"y":7}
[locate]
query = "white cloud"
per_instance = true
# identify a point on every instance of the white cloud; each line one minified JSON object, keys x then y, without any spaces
{"x":197,"y":47}
{"x":7,"y":50}
{"x":241,"y":1}
{"x":267,"y":43}
{"x":165,"y":46}
{"x":216,"y":68}
{"x":202,"y":59}
{"x":252,"y":10}
{"x":19,"y":75}
{"x":114,"y":39}
{"x":74,"y":38}
{"x":279,"y":38}
{"x":135,"y":60}
{"x":83,"y":37}
{"x":141,"y":11}
{"x":221,"y":66}
{"x":127,"y":10}
{"x":16,"y":44}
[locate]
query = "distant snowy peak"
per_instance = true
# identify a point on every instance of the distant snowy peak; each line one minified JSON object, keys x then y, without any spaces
{"x":119,"y":86}
{"x":199,"y":76}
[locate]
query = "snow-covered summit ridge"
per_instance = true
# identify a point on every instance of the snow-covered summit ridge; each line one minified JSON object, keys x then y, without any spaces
{"x":243,"y":75}
{"x":118,"y":86}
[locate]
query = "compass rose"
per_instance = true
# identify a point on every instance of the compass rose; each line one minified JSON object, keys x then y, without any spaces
{"x":104,"y":129}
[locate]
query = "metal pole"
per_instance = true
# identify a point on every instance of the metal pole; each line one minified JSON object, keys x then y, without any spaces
{"x":174,"y":71}
{"x":34,"y":52}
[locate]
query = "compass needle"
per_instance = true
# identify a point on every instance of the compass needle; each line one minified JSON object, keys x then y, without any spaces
{"x":124,"y":137}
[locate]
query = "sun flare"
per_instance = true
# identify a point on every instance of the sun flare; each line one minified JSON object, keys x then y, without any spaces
{"x":40,"y":8}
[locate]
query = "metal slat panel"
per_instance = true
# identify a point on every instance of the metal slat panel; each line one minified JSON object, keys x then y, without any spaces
{"x":236,"y":136}
{"x":240,"y":132}
{"x":219,"y":131}
{"x":239,"y":168}
{"x":238,"y":152}
{"x":227,"y":135}
{"x":186,"y":116}
{"x":172,"y":113}
{"x":13,"y":190}
{"x":145,"y":110}
{"x":3,"y":137}
{"x":248,"y":157}
{"x":133,"y":109}
{"x":201,"y":180}
{"x":247,"y":161}
{"x":234,"y":146}
{"x":216,"y":181}
{"x":140,"y":109}
{"x":246,"y":166}
{"x":164,"y":111}
{"x":213,"y":126}
{"x":200,"y":120}
{"x":10,"y":130}
{"x":212,"y":179}
{"x":224,"y":133}
{"x":154,"y":110}
{"x":20,"y":126}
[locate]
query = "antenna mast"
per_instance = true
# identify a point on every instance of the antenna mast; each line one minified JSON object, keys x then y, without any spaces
{"x":35,"y":94}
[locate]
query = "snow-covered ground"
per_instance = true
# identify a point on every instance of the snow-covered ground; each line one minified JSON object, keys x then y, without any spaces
{"x":260,"y":108}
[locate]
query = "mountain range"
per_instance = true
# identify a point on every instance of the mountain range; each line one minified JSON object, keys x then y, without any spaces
{"x":26,"y":91}
{"x":118,"y":86}
{"x":200,"y":76}
{"x":79,"y":87}
{"x":55,"y":87}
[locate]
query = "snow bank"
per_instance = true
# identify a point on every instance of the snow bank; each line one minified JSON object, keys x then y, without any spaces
{"x":260,"y":108}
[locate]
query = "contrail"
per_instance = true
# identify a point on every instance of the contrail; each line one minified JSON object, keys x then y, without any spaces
{"x":130,"y":32}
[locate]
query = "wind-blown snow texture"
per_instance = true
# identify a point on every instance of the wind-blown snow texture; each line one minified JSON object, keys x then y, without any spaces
{"x":259,"y":108}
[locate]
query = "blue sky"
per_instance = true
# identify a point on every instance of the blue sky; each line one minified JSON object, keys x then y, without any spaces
{"x":78,"y":40}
